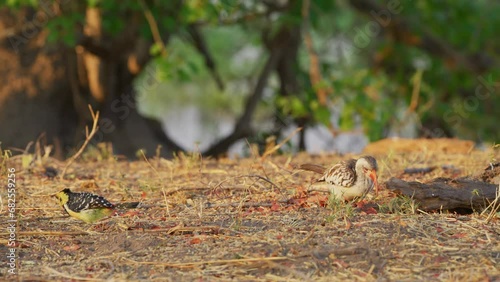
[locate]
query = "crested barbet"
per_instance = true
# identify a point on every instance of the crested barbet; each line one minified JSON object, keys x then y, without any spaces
{"x":87,"y":206}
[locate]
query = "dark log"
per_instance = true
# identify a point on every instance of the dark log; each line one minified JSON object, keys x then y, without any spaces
{"x":415,"y":170}
{"x":446,"y":194}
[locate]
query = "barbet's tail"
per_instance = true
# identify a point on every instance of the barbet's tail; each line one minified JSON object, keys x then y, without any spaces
{"x":130,"y":205}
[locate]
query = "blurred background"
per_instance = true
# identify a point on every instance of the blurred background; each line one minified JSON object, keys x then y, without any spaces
{"x":214,"y":76}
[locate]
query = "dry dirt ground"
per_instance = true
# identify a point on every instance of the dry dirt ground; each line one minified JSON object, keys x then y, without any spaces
{"x":247,"y":220}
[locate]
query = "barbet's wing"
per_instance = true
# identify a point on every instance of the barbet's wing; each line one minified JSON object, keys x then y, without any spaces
{"x":85,"y":201}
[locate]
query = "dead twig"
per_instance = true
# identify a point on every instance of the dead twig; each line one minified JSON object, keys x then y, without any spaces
{"x":260,"y":177}
{"x":182,"y":228}
{"x":195,"y":263}
{"x":276,"y":147}
{"x":71,"y":277}
{"x":287,"y":269}
{"x":42,"y":218}
{"x":309,"y":236}
{"x":493,"y":207}
{"x":218,"y":186}
{"x":417,"y":81}
{"x":320,"y":253}
{"x":161,"y":180}
{"x":180,"y":189}
{"x":95,"y":119}
{"x":238,"y":205}
{"x":48,"y":233}
{"x":347,"y":251}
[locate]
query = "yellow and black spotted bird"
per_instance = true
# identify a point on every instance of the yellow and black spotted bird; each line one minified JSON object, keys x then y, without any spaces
{"x":87,"y":206}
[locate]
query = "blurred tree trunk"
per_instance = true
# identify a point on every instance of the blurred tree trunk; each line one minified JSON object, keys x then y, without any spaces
{"x":46,"y":89}
{"x":288,"y":70}
{"x":33,"y":95}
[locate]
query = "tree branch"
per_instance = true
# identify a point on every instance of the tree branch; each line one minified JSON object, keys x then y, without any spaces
{"x":314,"y":70}
{"x":162,"y":136}
{"x":200,"y":45}
{"x":242,"y":128}
{"x":154,"y":27}
{"x":288,"y":70}
{"x":30,"y":24}
{"x":95,"y":48}
{"x":446,"y":194}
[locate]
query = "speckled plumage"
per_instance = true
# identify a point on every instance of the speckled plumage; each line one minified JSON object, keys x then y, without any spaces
{"x":85,"y":206}
{"x":89,"y":207}
{"x":342,"y":174}
{"x":350,"y":178}
{"x":84,"y":201}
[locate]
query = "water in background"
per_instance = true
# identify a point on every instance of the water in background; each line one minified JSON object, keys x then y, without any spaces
{"x":196,"y":131}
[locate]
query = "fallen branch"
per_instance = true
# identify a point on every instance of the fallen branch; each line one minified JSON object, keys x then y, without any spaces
{"x":446,"y":194}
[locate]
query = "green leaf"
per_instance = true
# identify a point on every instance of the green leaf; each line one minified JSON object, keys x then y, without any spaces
{"x":298,"y":108}
{"x":93,"y":3}
{"x":155,"y":49}
{"x":347,"y":118}
{"x":322,"y":114}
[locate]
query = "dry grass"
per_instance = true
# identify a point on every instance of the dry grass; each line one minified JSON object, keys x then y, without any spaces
{"x":247,"y":220}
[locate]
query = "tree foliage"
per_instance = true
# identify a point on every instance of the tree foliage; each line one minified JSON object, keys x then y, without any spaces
{"x":381,"y":64}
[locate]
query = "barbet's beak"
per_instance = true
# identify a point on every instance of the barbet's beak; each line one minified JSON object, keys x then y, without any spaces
{"x":373,"y":176}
